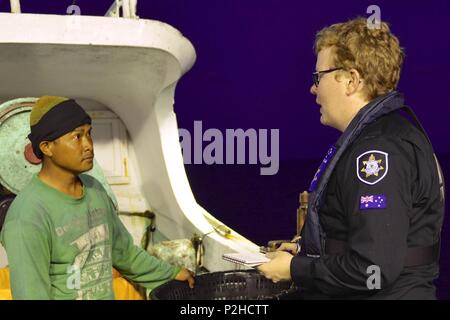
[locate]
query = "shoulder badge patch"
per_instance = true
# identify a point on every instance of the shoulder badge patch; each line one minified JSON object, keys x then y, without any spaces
{"x":372,"y":166}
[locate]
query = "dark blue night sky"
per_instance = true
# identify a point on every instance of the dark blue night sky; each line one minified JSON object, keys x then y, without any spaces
{"x":253,"y":70}
{"x":255,"y":58}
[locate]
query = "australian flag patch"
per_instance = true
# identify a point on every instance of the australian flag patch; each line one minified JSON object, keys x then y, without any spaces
{"x":374,"y":201}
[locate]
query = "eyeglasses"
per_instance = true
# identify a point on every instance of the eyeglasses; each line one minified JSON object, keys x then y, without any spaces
{"x":316,"y":75}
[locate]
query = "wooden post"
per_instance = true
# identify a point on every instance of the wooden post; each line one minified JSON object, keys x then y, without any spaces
{"x":301,"y":212}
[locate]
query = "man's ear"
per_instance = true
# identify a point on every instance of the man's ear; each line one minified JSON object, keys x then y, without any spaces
{"x":354,"y":82}
{"x":46,"y":148}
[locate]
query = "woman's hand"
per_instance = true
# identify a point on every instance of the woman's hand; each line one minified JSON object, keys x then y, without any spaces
{"x":290,"y":247}
{"x":278,"y":268}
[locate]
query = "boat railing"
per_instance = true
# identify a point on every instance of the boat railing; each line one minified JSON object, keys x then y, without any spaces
{"x":125,"y":7}
{"x":15,"y":6}
{"x":128,"y":9}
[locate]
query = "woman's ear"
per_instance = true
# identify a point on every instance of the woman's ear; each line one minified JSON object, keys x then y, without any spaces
{"x":354,"y":82}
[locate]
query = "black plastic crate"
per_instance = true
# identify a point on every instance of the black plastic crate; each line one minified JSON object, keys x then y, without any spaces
{"x":225,"y":285}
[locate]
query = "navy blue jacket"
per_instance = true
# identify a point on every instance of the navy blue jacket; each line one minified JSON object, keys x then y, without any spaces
{"x":384,"y":195}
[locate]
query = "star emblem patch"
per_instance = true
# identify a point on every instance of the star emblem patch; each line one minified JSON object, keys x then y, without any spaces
{"x":372,"y":166}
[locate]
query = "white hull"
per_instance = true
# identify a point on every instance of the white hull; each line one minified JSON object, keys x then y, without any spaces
{"x":131,"y":67}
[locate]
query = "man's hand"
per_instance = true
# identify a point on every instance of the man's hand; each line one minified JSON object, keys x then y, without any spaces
{"x":278,"y":268}
{"x":290,"y":247}
{"x":186,"y":275}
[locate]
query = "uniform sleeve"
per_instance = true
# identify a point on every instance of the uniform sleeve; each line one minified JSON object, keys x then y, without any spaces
{"x":135,"y":263}
{"x":28,"y":250}
{"x":374,"y":187}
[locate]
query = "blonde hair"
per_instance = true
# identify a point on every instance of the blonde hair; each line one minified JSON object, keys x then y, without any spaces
{"x":375,"y":53}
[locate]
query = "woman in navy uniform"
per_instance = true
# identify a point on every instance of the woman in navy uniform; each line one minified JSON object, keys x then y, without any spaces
{"x":376,"y":203}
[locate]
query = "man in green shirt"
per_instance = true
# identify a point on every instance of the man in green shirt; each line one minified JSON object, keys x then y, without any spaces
{"x":62,"y":234}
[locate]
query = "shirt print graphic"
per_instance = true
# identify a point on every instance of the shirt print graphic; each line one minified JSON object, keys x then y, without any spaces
{"x":94,"y":262}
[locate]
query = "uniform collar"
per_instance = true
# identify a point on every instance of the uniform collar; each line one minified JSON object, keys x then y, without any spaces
{"x":372,"y":111}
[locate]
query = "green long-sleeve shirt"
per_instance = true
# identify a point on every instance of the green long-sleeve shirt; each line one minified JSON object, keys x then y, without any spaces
{"x":60,"y":247}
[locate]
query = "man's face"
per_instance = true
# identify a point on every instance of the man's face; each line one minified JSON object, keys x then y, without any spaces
{"x":74,"y":151}
{"x":330,"y":93}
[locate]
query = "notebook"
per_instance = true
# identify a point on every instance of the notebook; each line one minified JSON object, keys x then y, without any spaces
{"x":249,"y":259}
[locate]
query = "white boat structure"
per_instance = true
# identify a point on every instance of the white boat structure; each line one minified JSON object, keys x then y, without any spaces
{"x":124,"y":71}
